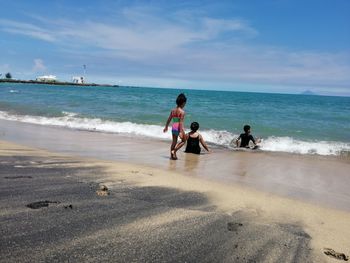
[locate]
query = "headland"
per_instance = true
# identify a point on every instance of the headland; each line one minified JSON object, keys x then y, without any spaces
{"x":55,"y":83}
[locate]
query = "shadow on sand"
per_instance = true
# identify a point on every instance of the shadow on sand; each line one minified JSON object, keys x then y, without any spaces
{"x":132,"y":224}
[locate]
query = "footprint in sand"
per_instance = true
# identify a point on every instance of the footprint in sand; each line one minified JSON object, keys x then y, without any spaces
{"x":40,"y":204}
{"x":331,"y":253}
{"x":18,"y":177}
{"x":232,"y":226}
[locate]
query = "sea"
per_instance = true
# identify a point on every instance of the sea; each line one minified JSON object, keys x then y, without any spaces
{"x":300,"y":124}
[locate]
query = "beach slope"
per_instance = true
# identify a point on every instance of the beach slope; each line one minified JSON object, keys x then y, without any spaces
{"x":59,"y":208}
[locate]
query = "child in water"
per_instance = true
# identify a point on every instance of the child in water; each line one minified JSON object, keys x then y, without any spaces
{"x":244,"y":138}
{"x":177,"y":115}
{"x":193,"y":139}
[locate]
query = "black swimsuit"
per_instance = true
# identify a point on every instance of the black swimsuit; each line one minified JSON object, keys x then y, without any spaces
{"x":245,"y":138}
{"x":193,"y":145}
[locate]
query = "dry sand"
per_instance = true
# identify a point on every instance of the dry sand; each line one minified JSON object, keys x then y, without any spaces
{"x":151,"y":215}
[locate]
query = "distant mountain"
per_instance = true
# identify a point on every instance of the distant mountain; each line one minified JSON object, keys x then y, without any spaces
{"x":308,"y":92}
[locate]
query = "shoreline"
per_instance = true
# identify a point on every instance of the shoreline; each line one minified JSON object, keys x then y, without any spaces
{"x":120,"y":110}
{"x":316,"y":179}
{"x":299,"y":230}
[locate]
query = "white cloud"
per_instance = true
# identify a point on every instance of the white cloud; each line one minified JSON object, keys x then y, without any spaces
{"x":217,"y":26}
{"x":185,"y":47}
{"x":39,"y":65}
{"x":26,"y":29}
{"x":138,"y":32}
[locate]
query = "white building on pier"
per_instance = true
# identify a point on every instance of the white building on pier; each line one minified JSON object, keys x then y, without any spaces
{"x":78,"y":79}
{"x":47,"y":78}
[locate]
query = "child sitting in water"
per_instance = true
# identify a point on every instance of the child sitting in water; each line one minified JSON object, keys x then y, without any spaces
{"x":177,"y":129}
{"x":193,"y":139}
{"x":244,"y":138}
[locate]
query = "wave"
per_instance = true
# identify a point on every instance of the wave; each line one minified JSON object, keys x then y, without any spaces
{"x":71,"y":120}
{"x":288,"y":144}
{"x":220,"y":138}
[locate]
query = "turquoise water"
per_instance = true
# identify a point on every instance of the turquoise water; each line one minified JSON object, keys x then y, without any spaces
{"x":292,"y":123}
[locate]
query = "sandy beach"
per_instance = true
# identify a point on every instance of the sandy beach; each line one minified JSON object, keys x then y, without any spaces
{"x":257,"y":94}
{"x":156,"y":210}
{"x":321,"y":180}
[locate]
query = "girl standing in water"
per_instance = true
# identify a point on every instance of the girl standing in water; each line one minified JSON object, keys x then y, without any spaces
{"x":177,"y":115}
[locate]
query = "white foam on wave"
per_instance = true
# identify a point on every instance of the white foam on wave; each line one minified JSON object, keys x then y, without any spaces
{"x":70,"y":120}
{"x":222,"y":138}
{"x":69,"y":114}
{"x":288,"y":144}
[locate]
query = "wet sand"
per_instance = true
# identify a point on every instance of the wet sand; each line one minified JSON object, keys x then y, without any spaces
{"x":321,"y":180}
{"x":150,"y":215}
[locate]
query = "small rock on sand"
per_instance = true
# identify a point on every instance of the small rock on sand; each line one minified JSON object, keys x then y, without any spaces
{"x":103,"y":187}
{"x":103,"y":191}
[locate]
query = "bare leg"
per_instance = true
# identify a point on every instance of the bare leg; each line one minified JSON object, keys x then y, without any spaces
{"x":172,"y":148}
{"x":180,"y":144}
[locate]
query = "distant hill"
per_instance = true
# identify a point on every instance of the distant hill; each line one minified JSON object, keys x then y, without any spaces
{"x":308,"y":92}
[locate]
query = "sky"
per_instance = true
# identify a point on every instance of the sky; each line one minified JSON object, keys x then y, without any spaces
{"x":284,"y":46}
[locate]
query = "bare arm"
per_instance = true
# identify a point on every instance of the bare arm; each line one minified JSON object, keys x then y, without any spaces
{"x":167,"y":123}
{"x":256,"y":141}
{"x":203,"y":143}
{"x":237,"y":140}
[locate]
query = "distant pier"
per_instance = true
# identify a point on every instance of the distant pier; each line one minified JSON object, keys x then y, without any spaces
{"x":55,"y":83}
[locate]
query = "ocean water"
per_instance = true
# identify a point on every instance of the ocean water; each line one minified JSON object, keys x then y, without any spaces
{"x":303,"y":124}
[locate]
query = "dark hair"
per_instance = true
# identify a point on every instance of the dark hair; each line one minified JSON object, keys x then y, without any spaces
{"x":194,"y":126}
{"x":181,"y":99}
{"x":246,"y":128}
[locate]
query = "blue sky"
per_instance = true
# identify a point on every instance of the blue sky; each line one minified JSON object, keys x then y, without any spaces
{"x":285,"y":46}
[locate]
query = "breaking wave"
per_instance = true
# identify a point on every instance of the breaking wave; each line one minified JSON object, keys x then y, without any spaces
{"x":221,"y":138}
